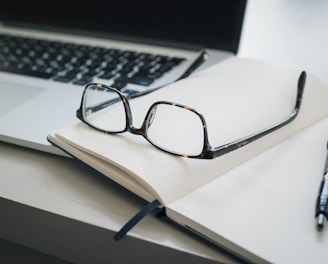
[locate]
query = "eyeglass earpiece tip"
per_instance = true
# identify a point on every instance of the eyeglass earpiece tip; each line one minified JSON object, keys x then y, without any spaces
{"x":301,"y":81}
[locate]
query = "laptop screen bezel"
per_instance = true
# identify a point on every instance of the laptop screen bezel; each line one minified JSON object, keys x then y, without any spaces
{"x":214,"y":24}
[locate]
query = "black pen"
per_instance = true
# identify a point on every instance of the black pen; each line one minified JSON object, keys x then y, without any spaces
{"x":321,"y":210}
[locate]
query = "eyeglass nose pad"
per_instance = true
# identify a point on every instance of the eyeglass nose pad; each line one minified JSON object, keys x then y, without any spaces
{"x":152,"y":115}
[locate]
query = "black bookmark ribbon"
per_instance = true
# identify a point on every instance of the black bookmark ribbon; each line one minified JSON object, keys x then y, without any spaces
{"x":134,"y":220}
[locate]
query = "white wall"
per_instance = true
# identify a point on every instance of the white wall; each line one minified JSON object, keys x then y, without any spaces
{"x":292,"y":31}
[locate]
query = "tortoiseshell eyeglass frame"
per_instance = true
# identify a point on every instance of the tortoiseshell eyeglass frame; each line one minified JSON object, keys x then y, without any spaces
{"x":208,"y":152}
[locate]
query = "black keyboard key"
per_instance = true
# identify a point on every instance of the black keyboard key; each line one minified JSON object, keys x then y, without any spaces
{"x":155,"y":75}
{"x":63,"y":78}
{"x":82,"y":81}
{"x":86,"y":76}
{"x":176,"y":60}
{"x":149,"y":75}
{"x":125,"y":71}
{"x":27,"y":72}
{"x":119,"y":84}
{"x":107,"y":75}
{"x":144,"y":81}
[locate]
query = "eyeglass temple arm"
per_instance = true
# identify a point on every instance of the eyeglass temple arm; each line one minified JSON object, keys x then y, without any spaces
{"x":201,"y":58}
{"x":224,"y":149}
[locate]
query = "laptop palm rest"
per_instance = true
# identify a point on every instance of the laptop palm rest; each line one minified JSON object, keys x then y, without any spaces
{"x":14,"y":95}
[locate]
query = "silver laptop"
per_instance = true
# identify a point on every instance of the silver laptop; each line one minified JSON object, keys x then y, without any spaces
{"x":50,"y":50}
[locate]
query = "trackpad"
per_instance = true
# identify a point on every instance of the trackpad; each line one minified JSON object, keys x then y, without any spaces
{"x":13,"y":95}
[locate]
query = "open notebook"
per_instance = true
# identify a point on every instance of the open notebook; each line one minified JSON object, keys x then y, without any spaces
{"x":257,"y":201}
{"x":48,"y":52}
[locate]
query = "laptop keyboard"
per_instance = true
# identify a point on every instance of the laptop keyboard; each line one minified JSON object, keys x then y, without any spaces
{"x":80,"y":64}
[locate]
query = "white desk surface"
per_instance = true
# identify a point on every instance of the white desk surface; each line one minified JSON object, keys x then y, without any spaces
{"x":62,"y":208}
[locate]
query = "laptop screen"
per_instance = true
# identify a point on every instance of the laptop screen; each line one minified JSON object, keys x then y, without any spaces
{"x":212,"y":23}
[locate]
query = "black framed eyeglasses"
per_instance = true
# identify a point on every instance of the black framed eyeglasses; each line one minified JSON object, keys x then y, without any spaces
{"x":166,"y":124}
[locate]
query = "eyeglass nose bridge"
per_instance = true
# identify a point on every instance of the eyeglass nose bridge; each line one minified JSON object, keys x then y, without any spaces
{"x":142,"y":131}
{"x":148,"y":120}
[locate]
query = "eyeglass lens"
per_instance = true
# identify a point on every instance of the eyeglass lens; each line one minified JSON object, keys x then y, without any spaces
{"x":104,"y":109}
{"x":175,"y":129}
